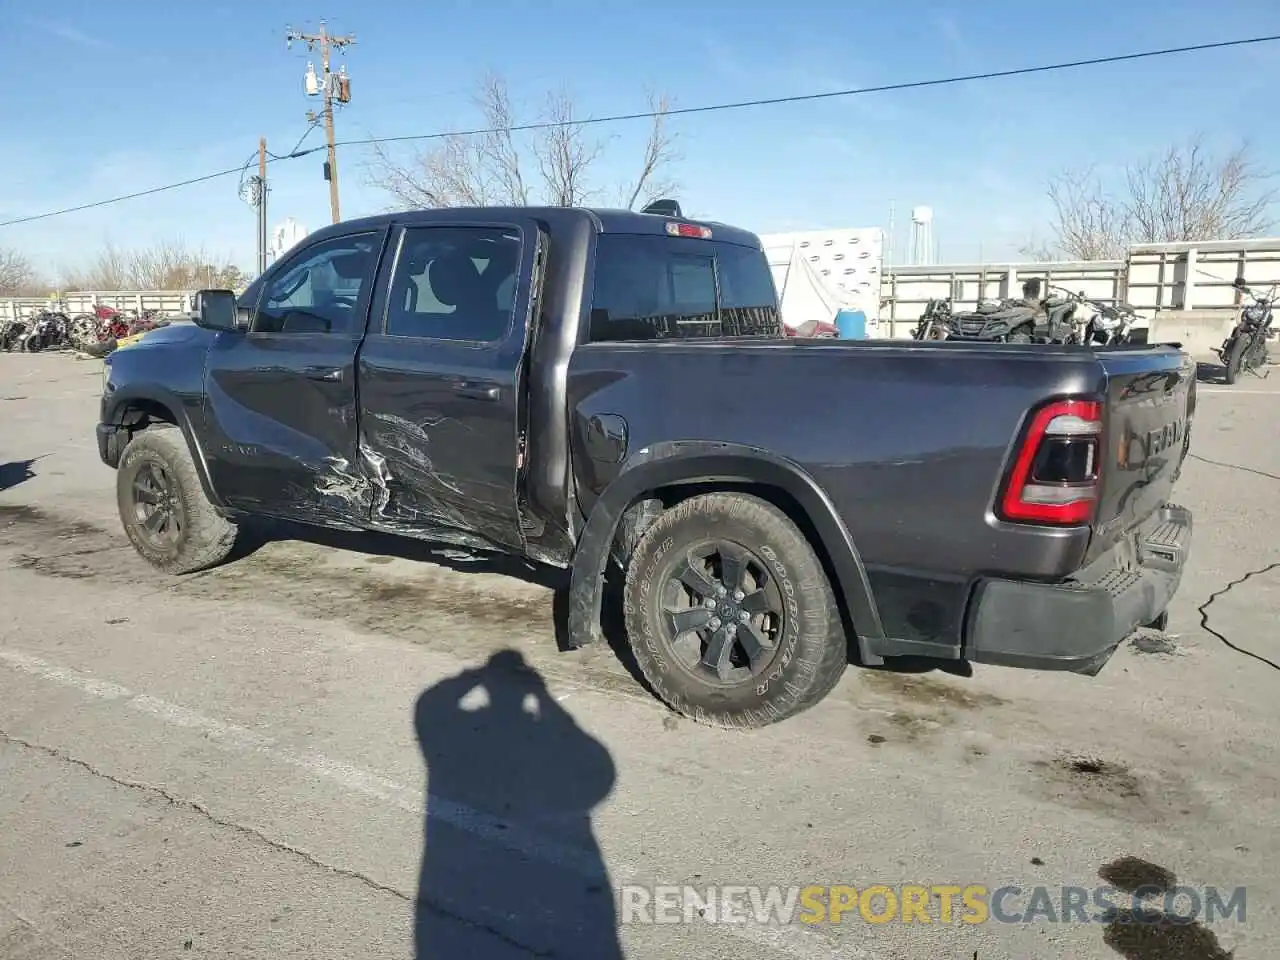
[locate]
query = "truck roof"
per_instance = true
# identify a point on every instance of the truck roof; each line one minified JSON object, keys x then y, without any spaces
{"x":605,"y":220}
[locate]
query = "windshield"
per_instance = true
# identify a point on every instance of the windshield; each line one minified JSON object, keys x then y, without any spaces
{"x":657,"y":288}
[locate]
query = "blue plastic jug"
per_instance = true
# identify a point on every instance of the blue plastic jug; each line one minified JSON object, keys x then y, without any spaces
{"x":852,"y":324}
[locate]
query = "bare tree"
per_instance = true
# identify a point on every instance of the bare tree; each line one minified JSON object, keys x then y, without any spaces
{"x":18,"y":276}
{"x":508,"y":164}
{"x":660,"y":155}
{"x":169,"y":265}
{"x":1183,"y":194}
{"x":1188,"y":195}
{"x":1038,"y":251}
{"x":108,"y":270}
{"x":565,"y":154}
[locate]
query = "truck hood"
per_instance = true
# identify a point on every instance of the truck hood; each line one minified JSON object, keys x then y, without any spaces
{"x":181,"y":331}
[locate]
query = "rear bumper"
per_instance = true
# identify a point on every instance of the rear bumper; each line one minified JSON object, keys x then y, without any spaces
{"x":1077,"y":625}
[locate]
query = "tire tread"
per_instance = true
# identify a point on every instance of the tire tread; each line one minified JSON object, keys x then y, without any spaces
{"x":210,"y":537}
{"x":819,"y":615}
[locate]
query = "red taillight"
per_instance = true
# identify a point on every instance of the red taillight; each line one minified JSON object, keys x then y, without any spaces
{"x":1056,"y":474}
{"x":688,"y":230}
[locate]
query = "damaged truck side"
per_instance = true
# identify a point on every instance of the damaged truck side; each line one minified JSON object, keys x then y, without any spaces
{"x":575,"y":386}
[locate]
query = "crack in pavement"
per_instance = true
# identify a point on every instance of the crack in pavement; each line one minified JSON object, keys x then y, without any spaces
{"x":255,"y":834}
{"x":1233,"y":466}
{"x":1204,"y":613}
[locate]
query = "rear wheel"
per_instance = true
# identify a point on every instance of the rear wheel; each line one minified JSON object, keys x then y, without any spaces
{"x":1234,"y":356}
{"x":730,"y":615}
{"x":163,"y":509}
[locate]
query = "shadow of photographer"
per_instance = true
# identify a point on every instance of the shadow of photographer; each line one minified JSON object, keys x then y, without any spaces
{"x":510,"y":863}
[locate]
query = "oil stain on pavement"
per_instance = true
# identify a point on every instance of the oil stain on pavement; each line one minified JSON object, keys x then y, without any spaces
{"x":1116,"y":789}
{"x":1147,"y":932}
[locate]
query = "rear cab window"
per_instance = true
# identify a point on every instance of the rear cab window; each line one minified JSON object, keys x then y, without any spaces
{"x":651,"y":287}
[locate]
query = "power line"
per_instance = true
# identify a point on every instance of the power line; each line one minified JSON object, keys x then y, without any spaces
{"x":679,"y":111}
{"x":828,"y":95}
{"x":124,"y":197}
{"x":292,"y":154}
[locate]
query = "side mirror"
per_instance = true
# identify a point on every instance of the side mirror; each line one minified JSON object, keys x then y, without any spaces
{"x":1238,"y":283}
{"x":216,"y":309}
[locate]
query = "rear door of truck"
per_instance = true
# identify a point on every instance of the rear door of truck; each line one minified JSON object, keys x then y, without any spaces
{"x":441,"y":374}
{"x":1150,"y":403}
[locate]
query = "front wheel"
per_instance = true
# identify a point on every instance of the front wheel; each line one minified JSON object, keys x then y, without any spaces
{"x":163,"y":509}
{"x":730,"y":615}
{"x":1233,"y":357}
{"x":1021,"y":335}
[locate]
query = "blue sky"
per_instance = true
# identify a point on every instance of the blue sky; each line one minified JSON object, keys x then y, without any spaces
{"x":106,"y":99}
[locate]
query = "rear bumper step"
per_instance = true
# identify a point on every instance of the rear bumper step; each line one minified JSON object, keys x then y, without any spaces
{"x":1077,"y":625}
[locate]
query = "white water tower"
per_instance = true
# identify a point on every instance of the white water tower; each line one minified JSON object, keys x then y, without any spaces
{"x":921,"y":235}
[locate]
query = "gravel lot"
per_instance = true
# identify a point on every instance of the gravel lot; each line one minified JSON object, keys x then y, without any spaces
{"x":239,"y":763}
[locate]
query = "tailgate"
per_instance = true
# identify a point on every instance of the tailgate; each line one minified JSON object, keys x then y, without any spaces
{"x":1150,"y":404}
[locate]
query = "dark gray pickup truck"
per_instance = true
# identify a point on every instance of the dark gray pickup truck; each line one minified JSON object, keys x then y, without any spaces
{"x":573,"y":385}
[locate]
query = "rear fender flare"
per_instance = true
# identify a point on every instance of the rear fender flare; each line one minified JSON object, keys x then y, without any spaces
{"x":681,"y":462}
{"x":125,"y":396}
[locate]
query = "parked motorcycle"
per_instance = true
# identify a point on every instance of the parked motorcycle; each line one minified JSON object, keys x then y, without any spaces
{"x":1094,"y":322}
{"x":84,"y":331}
{"x":12,"y":334}
{"x":1245,"y":349}
{"x":935,"y":322}
{"x":46,"y":331}
{"x":1112,"y":325}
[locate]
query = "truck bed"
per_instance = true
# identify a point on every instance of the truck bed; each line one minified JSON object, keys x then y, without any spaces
{"x":909,"y":440}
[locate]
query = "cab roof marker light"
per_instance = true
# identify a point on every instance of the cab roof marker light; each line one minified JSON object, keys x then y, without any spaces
{"x":688,"y":230}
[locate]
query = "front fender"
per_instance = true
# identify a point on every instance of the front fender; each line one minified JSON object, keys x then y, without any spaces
{"x":686,"y":462}
{"x":116,"y":407}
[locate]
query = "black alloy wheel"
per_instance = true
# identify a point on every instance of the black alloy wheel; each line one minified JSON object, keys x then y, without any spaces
{"x":724,"y":612}
{"x":729,"y":613}
{"x":157,"y":508}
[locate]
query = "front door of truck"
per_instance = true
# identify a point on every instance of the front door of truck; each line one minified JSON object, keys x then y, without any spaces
{"x":280,"y":397}
{"x":440,"y":370}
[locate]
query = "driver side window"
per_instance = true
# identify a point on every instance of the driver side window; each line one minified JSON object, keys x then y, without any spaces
{"x":319,"y":290}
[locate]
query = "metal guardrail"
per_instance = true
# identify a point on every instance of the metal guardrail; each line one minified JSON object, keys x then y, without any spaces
{"x":1154,"y":278}
{"x":72,"y":303}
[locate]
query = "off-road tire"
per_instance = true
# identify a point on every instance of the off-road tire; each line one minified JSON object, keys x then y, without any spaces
{"x":1021,"y":335}
{"x":812,"y":652}
{"x":1234,"y":357}
{"x":206,"y":539}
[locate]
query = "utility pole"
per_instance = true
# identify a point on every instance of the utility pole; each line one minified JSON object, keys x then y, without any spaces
{"x":333,"y":87}
{"x":262,"y":205}
{"x":256,"y":196}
